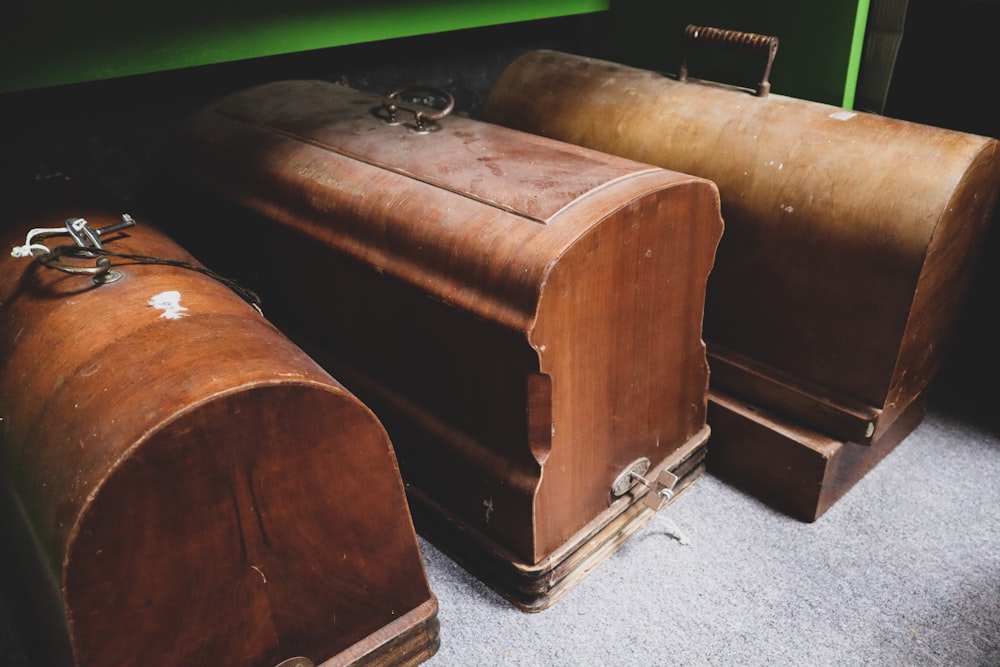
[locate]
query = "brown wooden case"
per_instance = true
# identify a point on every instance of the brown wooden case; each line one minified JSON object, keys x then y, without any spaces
{"x":524,"y":315}
{"x":850,"y":241}
{"x":192,"y":487}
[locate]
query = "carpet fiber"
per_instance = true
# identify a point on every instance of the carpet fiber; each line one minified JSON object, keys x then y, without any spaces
{"x":904,"y":570}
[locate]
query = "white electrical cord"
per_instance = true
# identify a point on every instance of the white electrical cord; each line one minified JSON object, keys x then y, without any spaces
{"x":32,"y":249}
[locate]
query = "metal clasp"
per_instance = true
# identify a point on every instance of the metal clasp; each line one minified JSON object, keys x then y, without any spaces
{"x":661,"y":490}
{"x":88,"y":242}
{"x":87,"y":238}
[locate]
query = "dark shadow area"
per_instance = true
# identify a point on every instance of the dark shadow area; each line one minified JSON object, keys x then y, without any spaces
{"x":944,"y":77}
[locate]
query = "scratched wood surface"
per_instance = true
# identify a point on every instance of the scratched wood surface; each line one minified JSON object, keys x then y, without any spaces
{"x":524,"y":315}
{"x":200,"y":490}
{"x":850,"y":240}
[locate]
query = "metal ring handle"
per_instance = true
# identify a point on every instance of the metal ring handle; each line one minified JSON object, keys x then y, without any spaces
{"x":735,"y":40}
{"x":101,"y":272}
{"x":424,"y":115}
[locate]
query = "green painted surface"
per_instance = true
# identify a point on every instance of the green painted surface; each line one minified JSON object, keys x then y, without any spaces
{"x":854,"y":61}
{"x":819,"y":41}
{"x":46,"y":44}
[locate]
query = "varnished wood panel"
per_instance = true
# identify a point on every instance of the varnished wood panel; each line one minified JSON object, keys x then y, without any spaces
{"x":850,"y":237}
{"x":523,"y":314}
{"x":201,"y":491}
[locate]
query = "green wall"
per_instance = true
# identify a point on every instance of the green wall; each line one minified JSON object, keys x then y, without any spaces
{"x":45,"y":44}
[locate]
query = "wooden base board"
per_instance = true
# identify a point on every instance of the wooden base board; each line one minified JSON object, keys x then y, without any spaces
{"x":534,"y":587}
{"x":406,"y":642}
{"x":795,"y":470}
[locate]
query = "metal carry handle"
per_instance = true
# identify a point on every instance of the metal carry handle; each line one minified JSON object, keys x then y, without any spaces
{"x":417,"y":100}
{"x":747,"y":42}
{"x":101,"y":272}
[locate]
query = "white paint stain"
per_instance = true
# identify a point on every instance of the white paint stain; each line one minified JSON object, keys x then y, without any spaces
{"x":843,"y":114}
{"x":787,"y":208}
{"x":170,"y":303}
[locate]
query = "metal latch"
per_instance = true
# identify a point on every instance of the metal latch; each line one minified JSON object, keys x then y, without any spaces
{"x":88,"y":238}
{"x":88,"y":245}
{"x":661,"y":490}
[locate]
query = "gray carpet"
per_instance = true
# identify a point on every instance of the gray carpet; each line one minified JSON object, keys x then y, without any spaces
{"x":904,"y":570}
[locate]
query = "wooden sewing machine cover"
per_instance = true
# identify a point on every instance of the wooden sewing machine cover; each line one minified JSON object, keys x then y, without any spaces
{"x":524,"y":315}
{"x":850,"y":243}
{"x":182,"y":484}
